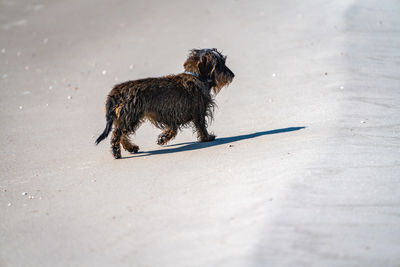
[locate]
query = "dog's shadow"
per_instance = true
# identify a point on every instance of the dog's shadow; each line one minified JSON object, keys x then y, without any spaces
{"x":219,"y":141}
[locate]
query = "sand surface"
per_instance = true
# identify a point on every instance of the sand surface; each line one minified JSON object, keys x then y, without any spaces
{"x":305,"y":170}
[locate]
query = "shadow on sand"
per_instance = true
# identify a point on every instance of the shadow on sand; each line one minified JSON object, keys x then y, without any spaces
{"x":219,"y":141}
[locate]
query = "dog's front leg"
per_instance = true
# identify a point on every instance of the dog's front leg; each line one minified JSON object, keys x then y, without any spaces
{"x":202,"y":134}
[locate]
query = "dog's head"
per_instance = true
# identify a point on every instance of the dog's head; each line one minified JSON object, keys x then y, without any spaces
{"x":209,"y":65}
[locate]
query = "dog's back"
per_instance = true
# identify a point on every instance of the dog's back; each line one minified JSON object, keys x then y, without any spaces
{"x":169,"y":100}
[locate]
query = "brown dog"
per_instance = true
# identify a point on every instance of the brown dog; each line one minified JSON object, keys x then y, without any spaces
{"x":169,"y":102}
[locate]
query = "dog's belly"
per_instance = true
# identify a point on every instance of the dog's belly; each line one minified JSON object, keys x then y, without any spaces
{"x":167,"y":118}
{"x":171,"y":107}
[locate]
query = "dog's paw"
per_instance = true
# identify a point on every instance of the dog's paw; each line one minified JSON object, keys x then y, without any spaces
{"x":209,"y":138}
{"x":162,"y":140}
{"x":116,"y":153}
{"x":133,"y":149}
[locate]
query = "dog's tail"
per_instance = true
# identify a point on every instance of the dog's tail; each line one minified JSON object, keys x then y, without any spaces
{"x":109,"y":118}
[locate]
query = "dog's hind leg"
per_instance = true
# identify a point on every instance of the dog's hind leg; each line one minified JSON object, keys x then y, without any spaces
{"x":167,"y":135}
{"x":127,"y":145}
{"x":115,"y":143}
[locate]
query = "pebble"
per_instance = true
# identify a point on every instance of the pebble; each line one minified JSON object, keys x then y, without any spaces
{"x":230,"y":145}
{"x":3,"y":50}
{"x":26,"y":67}
{"x":130,"y":66}
{"x":9,"y":204}
{"x":20,"y":107}
{"x":104,"y":72}
{"x":341,"y":87}
{"x":273,"y":74}
{"x":50,"y":87}
{"x":18,"y":54}
{"x":363,"y":122}
{"x":45,"y":41}
{"x":5,"y":76}
{"x":31,"y":197}
{"x":69,"y":97}
{"x":326,"y":73}
{"x":24,"y":193}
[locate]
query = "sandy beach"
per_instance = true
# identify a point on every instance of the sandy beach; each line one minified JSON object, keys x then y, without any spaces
{"x":304,"y":171}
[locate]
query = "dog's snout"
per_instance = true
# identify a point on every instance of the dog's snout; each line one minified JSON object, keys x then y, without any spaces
{"x":231,"y":73}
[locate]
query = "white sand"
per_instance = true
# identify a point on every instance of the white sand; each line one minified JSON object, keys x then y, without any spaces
{"x":324,"y":195}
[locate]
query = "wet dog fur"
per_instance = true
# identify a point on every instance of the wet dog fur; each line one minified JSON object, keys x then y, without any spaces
{"x":170,"y":102}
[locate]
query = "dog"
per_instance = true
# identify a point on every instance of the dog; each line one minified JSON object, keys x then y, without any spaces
{"x":170,"y":102}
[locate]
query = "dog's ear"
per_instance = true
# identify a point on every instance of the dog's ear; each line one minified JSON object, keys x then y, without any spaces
{"x":206,"y":65}
{"x":192,"y":62}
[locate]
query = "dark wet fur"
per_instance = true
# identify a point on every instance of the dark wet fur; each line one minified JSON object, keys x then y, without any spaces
{"x":170,"y":103}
